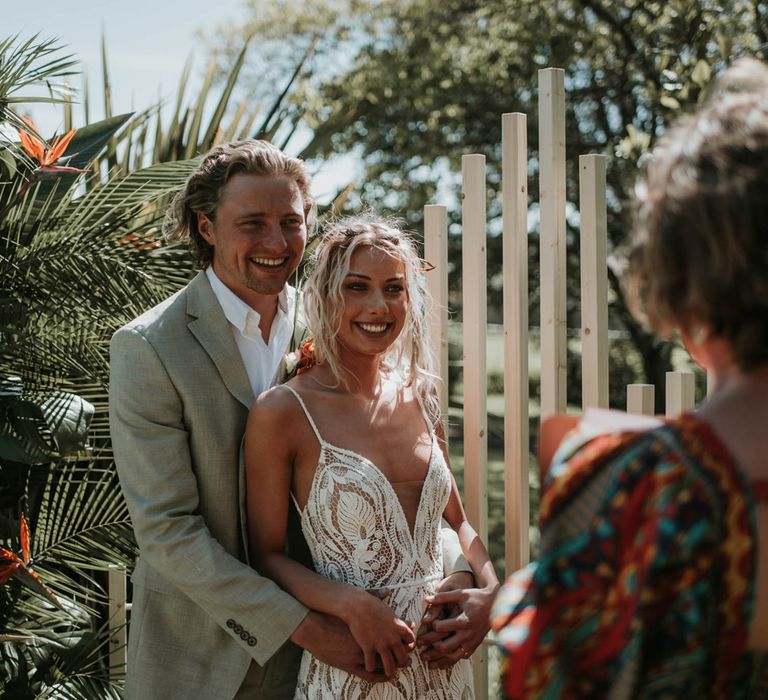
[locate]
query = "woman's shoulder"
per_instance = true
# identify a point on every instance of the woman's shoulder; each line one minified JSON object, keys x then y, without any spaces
{"x":276,"y":406}
{"x":619,"y":462}
{"x":678,"y":459}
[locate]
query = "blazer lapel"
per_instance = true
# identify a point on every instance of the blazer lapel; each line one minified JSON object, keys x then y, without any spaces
{"x":211,"y":329}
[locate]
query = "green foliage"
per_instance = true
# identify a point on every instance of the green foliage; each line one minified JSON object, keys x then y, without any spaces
{"x":80,"y":254}
{"x":413,"y":85}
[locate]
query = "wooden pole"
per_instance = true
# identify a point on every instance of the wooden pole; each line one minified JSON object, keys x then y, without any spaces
{"x":515,"y":259}
{"x":594,"y":282}
{"x":680,"y":395}
{"x":641,"y":399}
{"x":475,"y":383}
{"x":118,"y":619}
{"x":552,"y":239}
{"x":436,"y":253}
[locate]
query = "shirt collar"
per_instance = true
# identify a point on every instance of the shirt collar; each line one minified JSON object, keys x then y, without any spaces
{"x":236,"y":311}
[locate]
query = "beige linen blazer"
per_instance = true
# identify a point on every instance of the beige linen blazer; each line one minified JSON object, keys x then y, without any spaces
{"x":179,"y":400}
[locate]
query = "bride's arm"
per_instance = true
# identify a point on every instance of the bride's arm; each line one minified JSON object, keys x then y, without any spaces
{"x":447,"y":640}
{"x":270,"y":450}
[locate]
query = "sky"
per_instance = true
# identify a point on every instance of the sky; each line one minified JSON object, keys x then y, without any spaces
{"x":148,"y":43}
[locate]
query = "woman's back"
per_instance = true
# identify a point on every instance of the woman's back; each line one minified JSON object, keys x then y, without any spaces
{"x":738,"y":413}
{"x":645,"y":583}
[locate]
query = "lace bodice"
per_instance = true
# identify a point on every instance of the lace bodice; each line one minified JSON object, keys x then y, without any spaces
{"x":357,"y":533}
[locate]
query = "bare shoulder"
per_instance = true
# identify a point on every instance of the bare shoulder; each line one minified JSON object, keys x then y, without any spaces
{"x":276,"y":408}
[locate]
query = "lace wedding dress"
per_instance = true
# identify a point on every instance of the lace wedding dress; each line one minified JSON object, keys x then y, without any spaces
{"x":357,"y":533}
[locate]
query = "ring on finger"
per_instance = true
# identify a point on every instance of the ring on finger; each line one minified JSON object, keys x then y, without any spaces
{"x":464,"y":652}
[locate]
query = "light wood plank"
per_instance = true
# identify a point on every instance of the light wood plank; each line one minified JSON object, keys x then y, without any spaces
{"x":118,"y":629}
{"x":436,"y":253}
{"x":641,"y":399}
{"x":515,"y":260}
{"x":474,"y":299}
{"x":680,"y":393}
{"x":552,"y":239}
{"x":594,"y":282}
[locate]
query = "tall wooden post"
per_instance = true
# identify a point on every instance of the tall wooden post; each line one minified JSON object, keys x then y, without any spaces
{"x":436,"y":253}
{"x":680,"y":393}
{"x":641,"y":399}
{"x":475,"y":382}
{"x":118,"y":622}
{"x":552,"y":239}
{"x":594,"y":282}
{"x":515,"y":252}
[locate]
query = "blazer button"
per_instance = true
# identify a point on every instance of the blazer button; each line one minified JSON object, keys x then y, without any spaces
{"x":251,"y":641}
{"x":230,"y":623}
{"x":243,"y":635}
{"x":238,"y":629}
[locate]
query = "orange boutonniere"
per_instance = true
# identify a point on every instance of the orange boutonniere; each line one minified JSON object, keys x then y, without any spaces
{"x":306,"y":356}
{"x":300,"y":360}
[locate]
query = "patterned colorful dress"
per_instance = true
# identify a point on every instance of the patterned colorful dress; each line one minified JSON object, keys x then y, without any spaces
{"x":644,"y":584}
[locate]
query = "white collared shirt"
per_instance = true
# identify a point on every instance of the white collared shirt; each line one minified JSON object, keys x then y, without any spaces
{"x":261,"y":359}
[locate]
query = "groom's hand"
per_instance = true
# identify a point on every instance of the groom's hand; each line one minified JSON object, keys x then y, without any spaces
{"x":456,"y":621}
{"x":328,"y":639}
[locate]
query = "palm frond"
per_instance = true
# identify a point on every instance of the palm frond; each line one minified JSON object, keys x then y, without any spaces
{"x":82,"y":525}
{"x":28,"y":63}
{"x":55,"y":654}
{"x":32,"y":62}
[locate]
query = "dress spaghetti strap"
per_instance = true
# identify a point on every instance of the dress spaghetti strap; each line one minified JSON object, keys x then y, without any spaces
{"x":306,"y":413}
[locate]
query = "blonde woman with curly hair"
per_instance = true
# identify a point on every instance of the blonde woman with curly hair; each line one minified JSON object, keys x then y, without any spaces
{"x":354,"y":444}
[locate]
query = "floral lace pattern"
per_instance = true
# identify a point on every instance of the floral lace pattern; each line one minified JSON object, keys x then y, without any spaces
{"x":357,"y":533}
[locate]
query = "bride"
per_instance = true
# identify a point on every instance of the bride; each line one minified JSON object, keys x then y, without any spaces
{"x":355,"y":442}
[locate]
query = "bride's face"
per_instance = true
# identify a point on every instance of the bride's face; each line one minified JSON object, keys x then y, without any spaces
{"x":375,"y":302}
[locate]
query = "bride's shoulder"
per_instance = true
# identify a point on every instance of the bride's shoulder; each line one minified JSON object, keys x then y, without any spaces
{"x":407,"y":395}
{"x":274,"y":407}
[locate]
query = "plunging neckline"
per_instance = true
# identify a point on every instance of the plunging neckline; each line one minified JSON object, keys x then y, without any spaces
{"x":378,"y":471}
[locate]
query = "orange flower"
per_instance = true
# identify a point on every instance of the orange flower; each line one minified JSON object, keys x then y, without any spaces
{"x":11,"y":563}
{"x":307,"y":357}
{"x":35,"y":148}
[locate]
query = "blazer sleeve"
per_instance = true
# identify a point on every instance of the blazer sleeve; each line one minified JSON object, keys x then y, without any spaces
{"x":154,"y":464}
{"x":453,"y":559}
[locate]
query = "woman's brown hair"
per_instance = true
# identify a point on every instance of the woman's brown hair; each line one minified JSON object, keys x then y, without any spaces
{"x":700,"y":255}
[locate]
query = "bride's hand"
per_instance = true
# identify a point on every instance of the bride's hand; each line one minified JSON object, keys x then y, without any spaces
{"x":379,"y":631}
{"x":456,"y":621}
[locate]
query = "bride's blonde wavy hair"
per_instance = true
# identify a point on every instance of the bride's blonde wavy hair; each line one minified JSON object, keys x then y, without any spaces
{"x":410,"y":355}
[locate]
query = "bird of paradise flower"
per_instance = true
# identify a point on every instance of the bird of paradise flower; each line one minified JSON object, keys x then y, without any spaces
{"x":12,"y":564}
{"x":47,"y":157}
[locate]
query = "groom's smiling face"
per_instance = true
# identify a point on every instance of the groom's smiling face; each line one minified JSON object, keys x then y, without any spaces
{"x":258,"y":234}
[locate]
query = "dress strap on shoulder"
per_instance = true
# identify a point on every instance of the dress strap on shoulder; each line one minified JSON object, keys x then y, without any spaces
{"x":306,"y":412}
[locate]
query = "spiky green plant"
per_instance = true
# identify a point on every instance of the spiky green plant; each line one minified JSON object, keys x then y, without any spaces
{"x":80,"y":254}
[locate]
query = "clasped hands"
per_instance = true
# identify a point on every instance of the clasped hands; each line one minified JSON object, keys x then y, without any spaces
{"x":452,"y":627}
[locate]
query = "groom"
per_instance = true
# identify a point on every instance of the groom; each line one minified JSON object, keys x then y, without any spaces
{"x":205,"y":624}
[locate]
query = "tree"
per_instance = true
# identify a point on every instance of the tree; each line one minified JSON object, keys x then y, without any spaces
{"x":416,"y":84}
